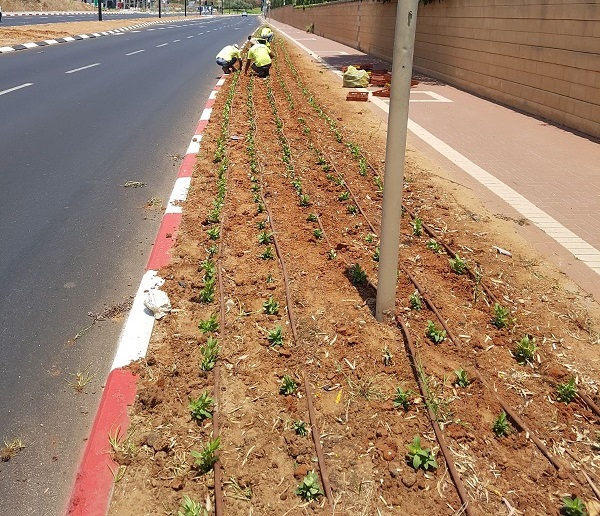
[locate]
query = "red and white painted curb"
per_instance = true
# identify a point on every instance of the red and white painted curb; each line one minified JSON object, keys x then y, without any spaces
{"x":94,"y":482}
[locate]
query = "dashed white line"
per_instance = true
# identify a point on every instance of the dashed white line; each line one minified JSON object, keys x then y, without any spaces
{"x":189,"y":37}
{"x":16,"y":88}
{"x":176,"y":40}
{"x":163,"y":45}
{"x":83,"y":68}
{"x":136,"y":52}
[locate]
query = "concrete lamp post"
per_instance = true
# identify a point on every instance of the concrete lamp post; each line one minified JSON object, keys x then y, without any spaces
{"x":404,"y":44}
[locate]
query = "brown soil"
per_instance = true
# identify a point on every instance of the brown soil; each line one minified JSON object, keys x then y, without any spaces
{"x":332,"y":343}
{"x":10,"y":36}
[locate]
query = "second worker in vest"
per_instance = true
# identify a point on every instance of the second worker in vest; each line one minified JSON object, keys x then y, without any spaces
{"x":259,"y":57}
{"x":228,"y":57}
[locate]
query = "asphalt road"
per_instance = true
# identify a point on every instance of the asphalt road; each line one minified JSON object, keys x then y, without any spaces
{"x":78,"y":121}
{"x":18,"y":21}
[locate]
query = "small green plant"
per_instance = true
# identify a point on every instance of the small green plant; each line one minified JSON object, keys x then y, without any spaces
{"x":357,"y":274}
{"x":331,"y":254}
{"x":369,"y":238}
{"x":352,"y":209}
{"x":362,"y":167}
{"x":267,"y":254}
{"x":525,"y":350}
{"x":191,"y":507}
{"x":213,"y":233}
{"x":378,"y":183}
{"x":309,"y":489}
{"x":458,"y":265}
{"x":304,"y":200}
{"x":261,"y":225}
{"x":434,"y":334}
{"x":501,"y":427}
{"x":264,"y":237}
{"x":311,"y":217}
{"x":462,"y":378}
{"x":434,"y":246}
{"x":270,"y":279}
{"x":275,"y":336}
{"x":344,"y":196}
{"x":417,"y":226}
{"x":207,"y":293}
{"x":271,"y":307}
{"x":209,"y":325}
{"x":566,"y":392}
{"x":376,"y":254}
{"x":288,"y":386}
{"x":573,"y":507}
{"x":318,"y":233}
{"x":420,"y":458}
{"x":387,"y":357}
{"x":205,"y":460}
{"x":501,"y":317}
{"x":212,"y":250}
{"x":300,"y":428}
{"x":260,"y":207}
{"x":402,"y":398}
{"x":210,"y":353}
{"x":209,"y":268}
{"x":201,"y":408}
{"x":415,"y":302}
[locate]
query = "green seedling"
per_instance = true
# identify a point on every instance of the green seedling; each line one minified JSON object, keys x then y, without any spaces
{"x":209,"y":325}
{"x":378,"y":183}
{"x":205,"y":460}
{"x":420,"y":458}
{"x":304,"y":200}
{"x":318,"y":233}
{"x":462,"y":378}
{"x":329,"y":177}
{"x":212,"y":250}
{"x":362,"y":167}
{"x":387,"y":357}
{"x":210,"y":353}
{"x":271,"y":307}
{"x":566,"y":392}
{"x":213,"y":233}
{"x":309,"y":489}
{"x":270,"y":279}
{"x":191,"y":507}
{"x":402,"y":398}
{"x":501,"y":317}
{"x":123,"y":444}
{"x":207,"y":294}
{"x":300,"y":428}
{"x":261,"y":225}
{"x":331,"y":254}
{"x":376,"y":254}
{"x":354,"y":149}
{"x":458,"y":265}
{"x":344,"y":196}
{"x":434,"y":334}
{"x":339,"y":181}
{"x":288,"y":386}
{"x":357,"y":274}
{"x":260,"y":207}
{"x":267,"y":254}
{"x":417,"y":226}
{"x":255,"y":187}
{"x":311,"y":217}
{"x":369,"y":238}
{"x":415,"y":302}
{"x":209,"y":268}
{"x":202,"y":407}
{"x":264,"y":237}
{"x":297,"y":184}
{"x":352,"y":209}
{"x":573,"y":507}
{"x":501,"y":427}
{"x":525,"y":351}
{"x":434,"y":246}
{"x":275,"y":336}
{"x":213,"y":215}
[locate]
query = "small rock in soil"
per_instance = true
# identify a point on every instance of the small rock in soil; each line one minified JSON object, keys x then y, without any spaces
{"x":409,"y":478}
{"x":151,"y":439}
{"x":394,"y":469}
{"x":177,"y":484}
{"x":301,"y":471}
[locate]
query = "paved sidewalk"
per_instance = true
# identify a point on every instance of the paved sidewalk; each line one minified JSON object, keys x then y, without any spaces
{"x":519,"y":166}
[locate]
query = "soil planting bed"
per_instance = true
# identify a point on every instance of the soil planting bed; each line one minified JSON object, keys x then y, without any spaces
{"x":274,"y":269}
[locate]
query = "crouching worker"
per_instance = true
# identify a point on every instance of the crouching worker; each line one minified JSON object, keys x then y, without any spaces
{"x":267,"y":34}
{"x":259,"y":57}
{"x":228,"y":57}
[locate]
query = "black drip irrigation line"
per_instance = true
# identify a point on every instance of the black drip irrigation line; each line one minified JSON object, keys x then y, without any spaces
{"x":292,"y":318}
{"x":458,"y":483}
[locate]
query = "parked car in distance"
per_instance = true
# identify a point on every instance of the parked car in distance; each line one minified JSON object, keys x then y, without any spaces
{"x":244,"y":13}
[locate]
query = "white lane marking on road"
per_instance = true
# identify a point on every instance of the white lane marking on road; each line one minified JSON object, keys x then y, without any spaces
{"x":83,"y":68}
{"x":136,"y":31}
{"x":200,"y":33}
{"x":16,"y":88}
{"x":178,"y":195}
{"x":189,"y":37}
{"x":163,"y":45}
{"x":135,"y":336}
{"x":136,"y":52}
{"x":176,"y":40}
{"x":150,"y":29}
{"x":435,"y":97}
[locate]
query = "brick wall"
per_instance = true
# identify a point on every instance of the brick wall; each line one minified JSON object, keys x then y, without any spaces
{"x":540,"y":56}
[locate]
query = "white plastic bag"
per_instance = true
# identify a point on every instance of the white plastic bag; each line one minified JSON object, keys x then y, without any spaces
{"x":157,"y":302}
{"x":355,"y":78}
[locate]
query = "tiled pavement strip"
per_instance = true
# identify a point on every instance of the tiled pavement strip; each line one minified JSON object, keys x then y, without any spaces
{"x":519,"y":166}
